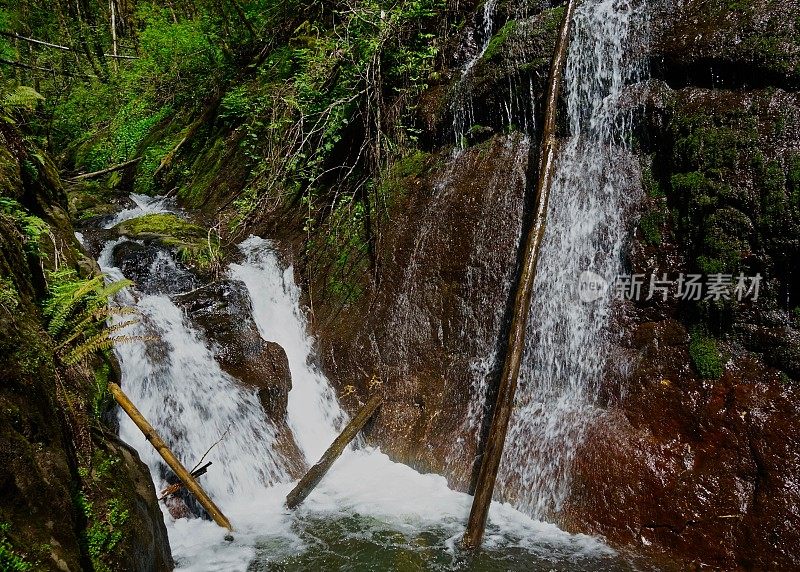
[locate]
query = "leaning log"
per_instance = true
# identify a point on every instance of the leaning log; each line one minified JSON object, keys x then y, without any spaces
{"x":107,"y":170}
{"x":315,"y":473}
{"x":493,"y":451}
{"x":185,"y":476}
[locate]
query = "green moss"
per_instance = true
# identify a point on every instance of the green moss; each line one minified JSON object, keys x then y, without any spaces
{"x":411,"y":165}
{"x":650,"y":225}
{"x":10,"y":561}
{"x":104,"y":529}
{"x":650,"y":184}
{"x":169,"y":227}
{"x":194,"y":244}
{"x":497,"y":41}
{"x":705,"y":354}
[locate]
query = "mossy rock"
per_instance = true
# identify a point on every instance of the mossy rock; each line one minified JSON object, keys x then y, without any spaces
{"x":194,"y":245}
{"x":89,"y":200}
{"x":169,"y":229}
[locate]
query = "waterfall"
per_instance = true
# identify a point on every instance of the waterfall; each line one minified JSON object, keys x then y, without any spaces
{"x":314,"y":413}
{"x":173,"y":378}
{"x":363,"y":513}
{"x":568,"y":341}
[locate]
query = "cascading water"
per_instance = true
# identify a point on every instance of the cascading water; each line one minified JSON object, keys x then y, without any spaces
{"x":568,"y":341}
{"x":367,"y":512}
{"x":276,"y":310}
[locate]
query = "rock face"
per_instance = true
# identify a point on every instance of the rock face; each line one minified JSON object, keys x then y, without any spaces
{"x":698,"y":458}
{"x":222,"y":310}
{"x":695,"y":460}
{"x":429,"y":330}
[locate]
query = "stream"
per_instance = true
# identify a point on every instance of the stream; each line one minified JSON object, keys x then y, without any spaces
{"x":369,"y":513}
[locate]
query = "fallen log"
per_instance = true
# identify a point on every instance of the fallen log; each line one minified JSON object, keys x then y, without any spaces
{"x":493,"y":451}
{"x":159,"y":445}
{"x":105,"y":171}
{"x":315,"y":473}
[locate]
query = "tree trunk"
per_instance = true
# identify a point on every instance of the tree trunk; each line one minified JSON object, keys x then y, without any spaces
{"x":493,"y":451}
{"x":102,"y":172}
{"x":159,"y":445}
{"x":112,"y":6}
{"x":315,"y":473}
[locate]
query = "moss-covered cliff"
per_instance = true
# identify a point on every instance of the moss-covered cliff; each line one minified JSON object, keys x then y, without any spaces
{"x":74,"y":496}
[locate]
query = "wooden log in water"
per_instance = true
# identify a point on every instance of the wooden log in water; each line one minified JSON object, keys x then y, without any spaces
{"x":155,"y":440}
{"x":493,"y":451}
{"x":315,"y":473}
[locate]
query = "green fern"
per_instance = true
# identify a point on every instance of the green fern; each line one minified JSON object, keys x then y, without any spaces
{"x":32,"y":227}
{"x":15,"y":98}
{"x":78,"y":310}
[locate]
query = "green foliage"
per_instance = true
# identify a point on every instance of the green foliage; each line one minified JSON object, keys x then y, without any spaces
{"x":77,"y":311}
{"x":32,"y":227}
{"x":10,"y":561}
{"x":101,"y":397}
{"x":651,"y":224}
{"x":15,"y":98}
{"x":497,"y":41}
{"x":182,"y":58}
{"x":103,"y":531}
{"x":9,"y":297}
{"x":194,"y":244}
{"x":705,"y":355}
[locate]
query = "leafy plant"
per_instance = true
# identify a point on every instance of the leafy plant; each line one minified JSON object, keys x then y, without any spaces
{"x":9,"y":297}
{"x":14,"y":98}
{"x":9,"y":560}
{"x":705,"y":354}
{"x":103,"y":532}
{"x":32,"y":227}
{"x":77,"y":311}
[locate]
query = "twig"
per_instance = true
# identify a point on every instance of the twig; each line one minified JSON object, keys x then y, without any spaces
{"x":211,"y":447}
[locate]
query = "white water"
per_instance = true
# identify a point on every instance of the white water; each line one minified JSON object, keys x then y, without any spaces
{"x":143,"y":205}
{"x":276,"y":309}
{"x":568,"y":341}
{"x":177,"y":384}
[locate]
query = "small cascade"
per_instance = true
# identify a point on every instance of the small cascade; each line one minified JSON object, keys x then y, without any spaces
{"x":314,"y":413}
{"x":142,"y":205}
{"x":178,"y":386}
{"x":569,"y":341}
{"x":513,"y":109}
{"x":485,"y":37}
{"x":174,"y":379}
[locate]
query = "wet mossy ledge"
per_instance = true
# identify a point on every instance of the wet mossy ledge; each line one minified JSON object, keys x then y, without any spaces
{"x":194,"y":245}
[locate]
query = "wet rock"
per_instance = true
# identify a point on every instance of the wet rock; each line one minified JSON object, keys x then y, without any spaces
{"x":700,"y":471}
{"x":153,"y":268}
{"x":428,"y":330}
{"x":223,"y":313}
{"x":222,"y":310}
{"x":718,"y":43}
{"x":145,"y":545}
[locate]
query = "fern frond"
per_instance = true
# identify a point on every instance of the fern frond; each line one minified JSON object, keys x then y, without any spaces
{"x":21,"y":97}
{"x":99,"y":343}
{"x":112,"y":289}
